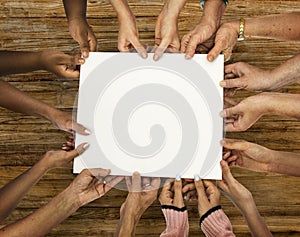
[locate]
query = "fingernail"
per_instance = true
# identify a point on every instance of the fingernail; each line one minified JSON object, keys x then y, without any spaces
{"x":197,"y":177}
{"x":87,"y":131}
{"x":81,"y":60}
{"x":222,"y":114}
{"x":144,"y":55}
{"x":188,"y":56}
{"x":222,"y":83}
{"x":210,"y":58}
{"x":178,"y":177}
{"x":222,"y":142}
{"x":85,"y":54}
{"x":156,"y":57}
{"x":85,"y":146}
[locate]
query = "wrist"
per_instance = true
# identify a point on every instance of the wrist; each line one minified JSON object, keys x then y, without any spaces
{"x":132,"y":213}
{"x":70,"y":200}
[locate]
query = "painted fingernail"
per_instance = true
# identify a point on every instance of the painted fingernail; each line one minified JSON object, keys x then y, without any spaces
{"x":87,"y":131}
{"x":197,"y":177}
{"x":178,"y":177}
{"x":222,"y":83}
{"x":85,"y":146}
{"x":144,"y":55}
{"x":222,"y":113}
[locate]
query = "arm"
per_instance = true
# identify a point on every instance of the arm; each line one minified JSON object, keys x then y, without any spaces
{"x":57,"y":62}
{"x":84,"y":189}
{"x":204,"y":32}
{"x":243,"y":115}
{"x":13,"y":99}
{"x":14,"y":191}
{"x":242,"y":199}
{"x":244,"y":76}
{"x":280,"y":26}
{"x":166,"y":28}
{"x":137,"y":202}
{"x":79,"y":27}
{"x":128,"y":33}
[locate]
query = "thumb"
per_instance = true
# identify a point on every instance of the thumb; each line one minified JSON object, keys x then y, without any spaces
{"x":139,"y":48}
{"x":191,"y":47}
{"x":78,"y":128}
{"x":216,"y":50}
{"x":159,"y":51}
{"x":229,"y":112}
{"x":226,"y":173}
{"x":84,"y":44}
{"x":78,"y":150}
{"x":233,"y":83}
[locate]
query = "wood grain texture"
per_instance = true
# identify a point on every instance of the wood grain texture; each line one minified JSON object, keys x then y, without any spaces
{"x":38,"y":25}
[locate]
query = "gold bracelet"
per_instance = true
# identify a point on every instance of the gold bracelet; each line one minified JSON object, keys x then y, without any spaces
{"x":242,"y":28}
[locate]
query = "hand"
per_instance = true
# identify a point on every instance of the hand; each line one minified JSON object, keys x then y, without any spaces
{"x":64,"y":121}
{"x":244,"y":76}
{"x":208,"y":195}
{"x":201,"y":39}
{"x":166,"y":35}
{"x":189,"y":190}
{"x":142,"y":193}
{"x":247,"y":155}
{"x":128,"y":36}
{"x":84,"y":35}
{"x":60,"y":64}
{"x":243,"y":115}
{"x":225,"y":40}
{"x":169,"y":197}
{"x":88,"y":185}
{"x":63,"y":159}
{"x":232,"y":189}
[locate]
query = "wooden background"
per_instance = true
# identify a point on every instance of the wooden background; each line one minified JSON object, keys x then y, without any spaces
{"x":37,"y":25}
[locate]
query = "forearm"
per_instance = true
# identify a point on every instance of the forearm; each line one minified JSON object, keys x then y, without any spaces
{"x":18,"y":62}
{"x":287,"y":73}
{"x":43,"y":220}
{"x":213,"y":12}
{"x":282,"y":104}
{"x":285,"y":163}
{"x":122,"y":8}
{"x":173,"y":7}
{"x":254,"y":220}
{"x":279,"y":26}
{"x":13,"y":99}
{"x":129,"y":218}
{"x":12,"y":193}
{"x":75,"y":9}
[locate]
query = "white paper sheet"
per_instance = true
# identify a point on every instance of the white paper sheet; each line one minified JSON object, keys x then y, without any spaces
{"x":159,"y":118}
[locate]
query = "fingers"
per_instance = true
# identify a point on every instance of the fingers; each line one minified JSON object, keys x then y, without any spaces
{"x":159,"y":51}
{"x":202,"y":198}
{"x":78,"y":128}
{"x":113,"y":182}
{"x":184,"y":42}
{"x":234,"y":144}
{"x":136,"y":182}
{"x":78,"y":150}
{"x":226,"y":173}
{"x":216,"y":50}
{"x":84,"y":44}
{"x":139,"y":48}
{"x":212,"y":192}
{"x":191,"y":47}
{"x":229,"y":112}
{"x":178,"y":199}
{"x":128,"y":183}
{"x":92,"y":42}
{"x":233,"y":83}
{"x":99,"y":172}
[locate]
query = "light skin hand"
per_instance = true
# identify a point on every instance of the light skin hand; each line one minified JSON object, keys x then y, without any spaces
{"x":244,"y":76}
{"x":169,"y":197}
{"x":208,"y":195}
{"x":254,"y":157}
{"x":243,"y":115}
{"x":247,"y":155}
{"x":225,"y":40}
{"x":242,"y":199}
{"x":142,"y":193}
{"x":204,"y":33}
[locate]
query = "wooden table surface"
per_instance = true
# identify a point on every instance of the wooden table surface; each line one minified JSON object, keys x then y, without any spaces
{"x":37,"y":25}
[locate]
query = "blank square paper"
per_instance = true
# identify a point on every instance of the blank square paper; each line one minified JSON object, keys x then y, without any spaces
{"x":158,"y":118}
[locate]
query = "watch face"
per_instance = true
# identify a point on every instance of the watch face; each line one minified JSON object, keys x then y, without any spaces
{"x":158,"y":118}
